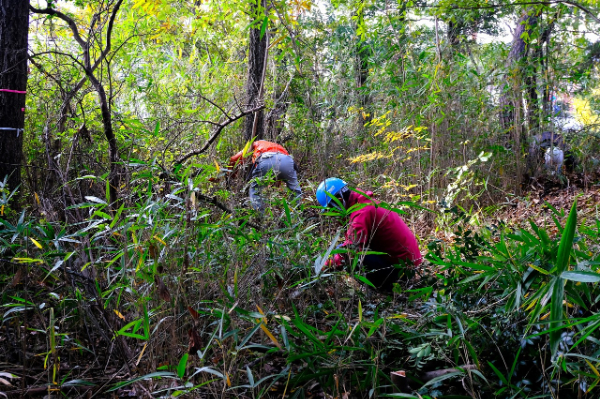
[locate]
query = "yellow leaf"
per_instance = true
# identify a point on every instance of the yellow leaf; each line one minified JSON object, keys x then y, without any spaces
{"x":141,"y":354}
{"x":593,"y":368}
{"x":247,"y":149}
{"x":2,"y":210}
{"x":37,"y":244}
{"x":27,"y":260}
{"x":119,"y":314}
{"x":217,"y":166}
{"x":37,"y":199}
{"x":398,"y":316}
{"x":359,"y":311}
{"x":544,"y":317}
{"x":160,"y":240}
{"x":261,"y":312}
{"x":274,"y":43}
{"x":532,"y":304}
{"x":271,"y":336}
{"x":180,"y":52}
{"x":140,"y":263}
{"x":539,"y":269}
{"x":228,"y":380}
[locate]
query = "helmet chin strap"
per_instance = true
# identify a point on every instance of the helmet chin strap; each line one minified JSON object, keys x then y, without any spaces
{"x":343,"y":192}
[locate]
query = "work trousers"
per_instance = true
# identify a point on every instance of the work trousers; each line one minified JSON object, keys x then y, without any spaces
{"x":283,"y":169}
{"x":380,"y":271}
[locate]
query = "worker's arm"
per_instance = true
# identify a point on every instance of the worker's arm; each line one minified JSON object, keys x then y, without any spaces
{"x":357,"y":236}
{"x":236,"y":159}
{"x":359,"y":230}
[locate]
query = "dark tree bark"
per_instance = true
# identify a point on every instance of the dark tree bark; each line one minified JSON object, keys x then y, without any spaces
{"x":254,"y":124}
{"x":14,"y":26}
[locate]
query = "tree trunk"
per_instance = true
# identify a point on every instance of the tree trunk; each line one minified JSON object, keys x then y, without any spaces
{"x":537,"y":60}
{"x":517,"y":52}
{"x":452,"y":34}
{"x":275,"y":117}
{"x":363,"y":53}
{"x":254,"y":124}
{"x":14,"y":26}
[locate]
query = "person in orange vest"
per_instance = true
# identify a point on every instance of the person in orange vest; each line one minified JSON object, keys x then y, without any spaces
{"x":267,"y":156}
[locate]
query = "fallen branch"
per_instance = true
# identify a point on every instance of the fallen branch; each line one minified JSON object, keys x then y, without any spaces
{"x":216,"y":134}
{"x":215,"y":202}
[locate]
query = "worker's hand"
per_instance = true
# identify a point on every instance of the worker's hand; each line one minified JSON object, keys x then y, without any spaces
{"x":336,"y":262}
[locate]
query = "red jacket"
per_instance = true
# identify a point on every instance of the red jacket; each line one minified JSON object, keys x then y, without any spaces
{"x":259,"y":147}
{"x":381,"y":230}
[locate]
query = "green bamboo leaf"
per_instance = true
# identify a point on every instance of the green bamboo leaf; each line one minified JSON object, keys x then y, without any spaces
{"x":182,"y":365}
{"x":566,"y":241}
{"x":498,"y":373}
{"x":263,"y":27}
{"x":364,"y":280}
{"x":556,"y":312}
{"x":558,"y":289}
{"x":582,"y":277}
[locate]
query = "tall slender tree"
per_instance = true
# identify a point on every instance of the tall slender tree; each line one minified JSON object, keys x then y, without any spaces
{"x":14,"y":26}
{"x":254,"y":125}
{"x":363,"y":53}
{"x":518,"y":51}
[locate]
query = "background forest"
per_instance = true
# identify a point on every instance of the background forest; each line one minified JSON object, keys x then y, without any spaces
{"x":132,"y":265}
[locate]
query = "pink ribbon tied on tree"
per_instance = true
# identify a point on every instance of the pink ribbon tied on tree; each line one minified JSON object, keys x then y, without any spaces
{"x":14,"y":91}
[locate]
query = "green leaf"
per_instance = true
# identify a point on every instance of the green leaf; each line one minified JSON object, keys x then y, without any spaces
{"x":78,"y":383}
{"x":580,"y":276}
{"x":556,"y":312}
{"x":97,"y":200}
{"x":566,"y":241}
{"x":364,"y":280}
{"x":558,"y":289}
{"x":498,"y":373}
{"x":263,"y":27}
{"x":182,"y":365}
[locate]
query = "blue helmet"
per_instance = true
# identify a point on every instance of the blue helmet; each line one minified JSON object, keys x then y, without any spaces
{"x":333,"y":185}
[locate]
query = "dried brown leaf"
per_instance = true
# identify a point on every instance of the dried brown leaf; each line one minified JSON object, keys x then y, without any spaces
{"x":153,"y":251}
{"x":195,"y":341}
{"x":18,"y":276}
{"x":194,"y":314}
{"x":163,"y":292}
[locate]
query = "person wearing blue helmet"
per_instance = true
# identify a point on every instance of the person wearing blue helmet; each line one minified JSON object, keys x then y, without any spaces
{"x":334,"y":186}
{"x":372,"y":228}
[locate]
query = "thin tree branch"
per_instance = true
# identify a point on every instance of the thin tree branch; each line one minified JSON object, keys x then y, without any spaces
{"x":111,"y":24}
{"x":216,"y":134}
{"x":214,"y":105}
{"x":64,"y":17}
{"x":58,"y":53}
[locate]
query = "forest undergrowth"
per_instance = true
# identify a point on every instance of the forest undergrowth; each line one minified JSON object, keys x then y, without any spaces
{"x":166,"y":296}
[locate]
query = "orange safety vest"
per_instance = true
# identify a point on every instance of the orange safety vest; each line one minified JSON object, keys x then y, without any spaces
{"x":260,"y":147}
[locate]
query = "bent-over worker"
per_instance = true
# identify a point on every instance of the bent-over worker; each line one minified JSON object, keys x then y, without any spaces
{"x":373,"y":228}
{"x":269,"y":156}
